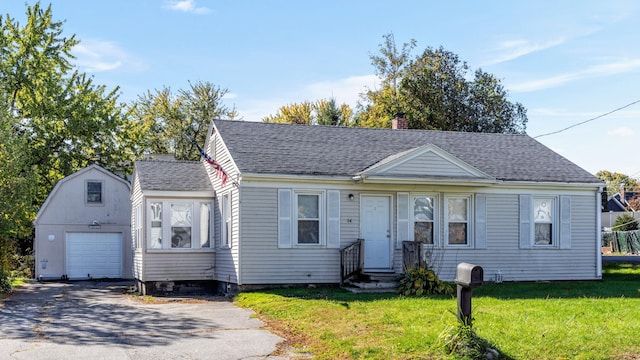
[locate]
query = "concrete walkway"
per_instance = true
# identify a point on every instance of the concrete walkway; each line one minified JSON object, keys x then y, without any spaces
{"x":96,"y":320}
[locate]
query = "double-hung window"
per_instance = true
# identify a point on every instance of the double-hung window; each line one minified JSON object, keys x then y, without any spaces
{"x":308,"y":217}
{"x":457,"y":222}
{"x":424,"y":218}
{"x":181,"y":221}
{"x":544,"y":215}
{"x":94,"y":192}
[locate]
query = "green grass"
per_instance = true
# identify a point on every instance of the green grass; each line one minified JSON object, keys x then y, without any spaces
{"x":545,"y":320}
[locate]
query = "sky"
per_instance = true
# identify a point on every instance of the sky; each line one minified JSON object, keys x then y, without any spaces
{"x":568,"y":62}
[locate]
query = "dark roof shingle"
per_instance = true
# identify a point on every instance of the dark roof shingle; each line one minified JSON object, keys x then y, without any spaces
{"x":172,"y":175}
{"x":268,"y":148}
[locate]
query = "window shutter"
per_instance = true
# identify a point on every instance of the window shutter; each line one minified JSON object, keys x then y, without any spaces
{"x":333,"y":219}
{"x":481,"y":221}
{"x":525,"y":221}
{"x":403,"y":219}
{"x":284,"y":218}
{"x":565,"y":222}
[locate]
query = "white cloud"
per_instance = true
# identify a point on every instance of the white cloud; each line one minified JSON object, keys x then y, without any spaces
{"x":186,"y":6}
{"x":592,"y":71}
{"x":513,"y":49}
{"x":622,"y":131}
{"x":346,"y":90}
{"x":100,"y":56}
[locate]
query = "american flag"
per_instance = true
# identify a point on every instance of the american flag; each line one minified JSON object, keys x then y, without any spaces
{"x":220,"y":173}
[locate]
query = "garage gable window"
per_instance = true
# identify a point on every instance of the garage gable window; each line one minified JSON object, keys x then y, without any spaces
{"x":179,"y":225}
{"x":94,"y":192}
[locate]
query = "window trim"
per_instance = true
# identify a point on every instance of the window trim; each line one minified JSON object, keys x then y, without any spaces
{"x":469,"y":221}
{"x":436,"y":216}
{"x":555,"y":223}
{"x":322,"y":218}
{"x":86,"y":193}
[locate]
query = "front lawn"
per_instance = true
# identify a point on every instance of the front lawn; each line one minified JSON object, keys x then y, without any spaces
{"x":547,"y":320}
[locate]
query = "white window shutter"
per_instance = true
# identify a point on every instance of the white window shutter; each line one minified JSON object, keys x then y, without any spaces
{"x":403,"y":219}
{"x":565,"y":222}
{"x":333,"y":219}
{"x":481,"y":222}
{"x":284,"y":218}
{"x":525,"y":221}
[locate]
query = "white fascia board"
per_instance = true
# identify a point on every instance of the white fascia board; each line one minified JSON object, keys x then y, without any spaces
{"x":178,"y":194}
{"x":427,"y":181}
{"x":277,"y":178}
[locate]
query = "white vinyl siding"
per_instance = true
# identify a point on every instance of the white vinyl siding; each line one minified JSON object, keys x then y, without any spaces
{"x":429,"y":160}
{"x":533,"y":263}
{"x":265,"y":260}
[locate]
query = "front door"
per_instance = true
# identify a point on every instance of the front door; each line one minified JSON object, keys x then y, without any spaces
{"x":375,"y":229}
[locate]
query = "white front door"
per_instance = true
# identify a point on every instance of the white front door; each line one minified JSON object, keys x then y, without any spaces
{"x":375,"y":229}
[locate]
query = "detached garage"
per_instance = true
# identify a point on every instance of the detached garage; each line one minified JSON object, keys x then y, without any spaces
{"x":83,"y":230}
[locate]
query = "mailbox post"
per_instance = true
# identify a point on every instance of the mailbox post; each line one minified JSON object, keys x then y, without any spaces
{"x":468,"y":277}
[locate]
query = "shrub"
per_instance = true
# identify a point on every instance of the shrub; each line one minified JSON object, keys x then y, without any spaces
{"x":625,"y":222}
{"x":5,"y":282}
{"x":422,"y":280}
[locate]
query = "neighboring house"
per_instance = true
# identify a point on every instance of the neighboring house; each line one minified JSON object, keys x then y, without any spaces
{"x":616,"y":203}
{"x":299,"y":194}
{"x":83,"y":229}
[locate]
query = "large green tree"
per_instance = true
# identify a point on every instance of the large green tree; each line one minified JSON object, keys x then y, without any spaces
{"x":54,"y":119}
{"x":436,"y":90}
{"x":168,"y":121}
{"x":69,"y":121}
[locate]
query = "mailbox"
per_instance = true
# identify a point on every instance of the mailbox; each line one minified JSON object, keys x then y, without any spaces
{"x":469,"y":275}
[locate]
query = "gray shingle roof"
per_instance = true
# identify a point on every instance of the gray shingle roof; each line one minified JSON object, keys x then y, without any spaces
{"x":172,"y":175}
{"x":340,"y":151}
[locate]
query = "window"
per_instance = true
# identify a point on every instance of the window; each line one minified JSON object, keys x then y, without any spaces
{"x":181,"y":220}
{"x":137,"y":231}
{"x":179,"y":225}
{"x":543,"y":219}
{"x":205,"y":225}
{"x":308,"y":218}
{"x":424,"y":218}
{"x":457,"y":219}
{"x":94,"y":192}
{"x":225,"y":225}
{"x":155,"y":216}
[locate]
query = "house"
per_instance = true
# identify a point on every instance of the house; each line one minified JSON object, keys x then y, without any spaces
{"x":298,"y":196}
{"x":83,"y":231}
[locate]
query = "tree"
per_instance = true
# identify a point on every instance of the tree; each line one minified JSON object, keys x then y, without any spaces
{"x":166,"y":118}
{"x":321,"y":112}
{"x":69,"y":122}
{"x":615,"y":182}
{"x":434,"y":91}
{"x":625,"y":222}
{"x":54,"y":120}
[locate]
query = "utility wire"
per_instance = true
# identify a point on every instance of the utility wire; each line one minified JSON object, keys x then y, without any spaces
{"x":586,"y":121}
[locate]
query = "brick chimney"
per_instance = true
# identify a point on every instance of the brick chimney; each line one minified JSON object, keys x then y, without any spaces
{"x":399,"y":122}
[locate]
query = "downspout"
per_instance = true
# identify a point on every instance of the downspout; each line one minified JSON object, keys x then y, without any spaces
{"x":599,"y":233}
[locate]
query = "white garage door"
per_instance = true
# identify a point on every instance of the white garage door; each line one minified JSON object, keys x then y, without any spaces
{"x":94,"y":255}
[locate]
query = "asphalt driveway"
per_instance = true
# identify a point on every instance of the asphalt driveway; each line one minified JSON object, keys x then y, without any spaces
{"x":96,"y":320}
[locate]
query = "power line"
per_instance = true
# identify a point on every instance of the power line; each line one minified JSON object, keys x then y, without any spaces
{"x":586,"y":121}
